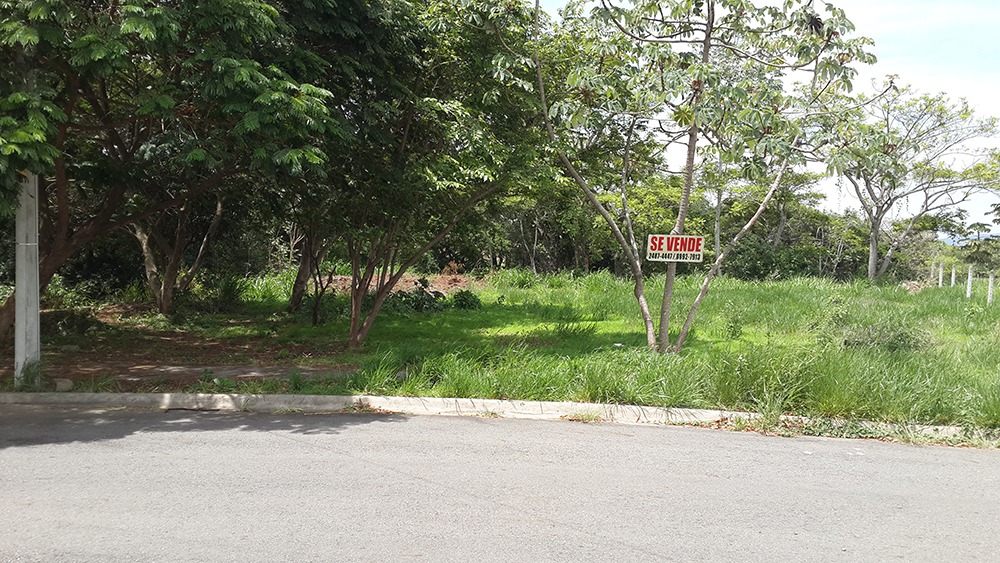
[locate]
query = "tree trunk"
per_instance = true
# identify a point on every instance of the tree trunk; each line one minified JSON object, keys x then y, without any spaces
{"x":694,"y":132}
{"x":384,"y":267}
{"x":301,"y":283}
{"x":887,"y":259}
{"x":668,"y":285}
{"x":320,"y":285}
{"x":718,"y":222}
{"x":355,"y":338}
{"x":312,"y":252}
{"x":149,"y":263}
{"x":6,"y":320}
{"x":634,"y":261}
{"x":165,"y":304}
{"x":161,"y":285}
{"x":782,"y":223}
{"x":167,"y":281}
{"x":668,"y":296}
{"x":47,"y":268}
{"x":682,"y":336}
{"x":359,"y":331}
{"x":529,"y":249}
{"x":873,"y":249}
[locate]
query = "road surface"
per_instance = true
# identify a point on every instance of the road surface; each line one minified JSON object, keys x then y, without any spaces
{"x":195,"y":486}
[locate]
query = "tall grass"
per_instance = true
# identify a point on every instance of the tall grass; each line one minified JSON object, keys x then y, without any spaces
{"x":614,"y":376}
{"x":801,"y":346}
{"x":270,"y":288}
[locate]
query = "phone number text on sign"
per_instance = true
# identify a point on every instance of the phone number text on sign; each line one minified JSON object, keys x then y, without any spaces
{"x":675,"y":248}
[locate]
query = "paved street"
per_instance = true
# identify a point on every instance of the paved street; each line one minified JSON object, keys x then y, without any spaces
{"x":195,"y":486}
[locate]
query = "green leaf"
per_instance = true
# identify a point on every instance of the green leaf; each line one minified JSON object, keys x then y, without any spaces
{"x":196,"y":155}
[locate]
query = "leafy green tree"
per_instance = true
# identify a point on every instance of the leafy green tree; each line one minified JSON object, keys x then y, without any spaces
{"x":600,"y":106}
{"x":982,"y":250}
{"x":163,"y":256}
{"x":905,"y":149}
{"x":546,"y":226}
{"x":690,"y":61}
{"x":788,"y":241}
{"x":366,"y":54}
{"x":137,"y":108}
{"x":432,"y":134}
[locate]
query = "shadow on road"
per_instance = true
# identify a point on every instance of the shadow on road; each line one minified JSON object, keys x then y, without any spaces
{"x":31,"y":425}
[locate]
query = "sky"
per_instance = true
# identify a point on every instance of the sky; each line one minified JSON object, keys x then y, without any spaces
{"x":933,"y":45}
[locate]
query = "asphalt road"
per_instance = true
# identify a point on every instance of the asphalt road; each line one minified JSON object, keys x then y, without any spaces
{"x":187,"y":486}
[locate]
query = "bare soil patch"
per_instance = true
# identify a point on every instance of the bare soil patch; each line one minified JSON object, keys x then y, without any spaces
{"x":444,"y":283}
{"x":136,"y":357}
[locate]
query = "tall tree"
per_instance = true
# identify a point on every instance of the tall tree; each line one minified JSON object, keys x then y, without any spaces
{"x":364,"y":52}
{"x":432,"y":134}
{"x":911,"y":151}
{"x":131,"y":97}
{"x":691,"y":59}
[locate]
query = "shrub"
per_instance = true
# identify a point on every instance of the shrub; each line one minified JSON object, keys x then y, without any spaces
{"x":735,"y":318}
{"x":59,"y":295}
{"x":228,"y":293}
{"x":419,"y":300}
{"x":135,"y":292}
{"x":862,"y":327}
{"x":465,"y":299}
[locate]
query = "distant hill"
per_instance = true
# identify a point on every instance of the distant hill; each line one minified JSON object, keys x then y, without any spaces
{"x":954,"y":241}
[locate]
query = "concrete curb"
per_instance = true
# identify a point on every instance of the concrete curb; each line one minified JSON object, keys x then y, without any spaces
{"x":537,"y":410}
{"x":627,"y":414}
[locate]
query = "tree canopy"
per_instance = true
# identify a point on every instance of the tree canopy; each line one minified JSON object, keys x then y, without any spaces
{"x":374,"y":137}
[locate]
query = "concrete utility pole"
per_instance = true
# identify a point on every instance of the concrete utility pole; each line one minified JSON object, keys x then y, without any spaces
{"x":27,"y":332}
{"x":27,"y":336}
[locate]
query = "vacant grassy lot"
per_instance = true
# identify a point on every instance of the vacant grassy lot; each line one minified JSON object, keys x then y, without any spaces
{"x":804,"y":346}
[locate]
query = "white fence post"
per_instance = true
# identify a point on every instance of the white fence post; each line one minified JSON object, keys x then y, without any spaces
{"x":989,"y":292}
{"x":968,"y":286}
{"x":953,"y":269}
{"x":941,"y":275}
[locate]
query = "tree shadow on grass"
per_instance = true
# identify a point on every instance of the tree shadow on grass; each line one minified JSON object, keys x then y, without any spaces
{"x":24,"y":425}
{"x":542,"y":328}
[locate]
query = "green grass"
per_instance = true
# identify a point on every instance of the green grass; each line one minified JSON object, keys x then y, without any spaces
{"x":803,"y":346}
{"x":812,"y":347}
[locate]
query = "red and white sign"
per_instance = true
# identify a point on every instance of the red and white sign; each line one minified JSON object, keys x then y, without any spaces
{"x":675,"y":248}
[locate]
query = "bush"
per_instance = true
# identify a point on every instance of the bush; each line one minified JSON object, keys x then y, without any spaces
{"x":135,"y":292}
{"x":735,"y":318}
{"x":228,"y":292}
{"x":420,"y":300}
{"x":465,"y":299}
{"x":860,"y":326}
{"x":59,"y":295}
